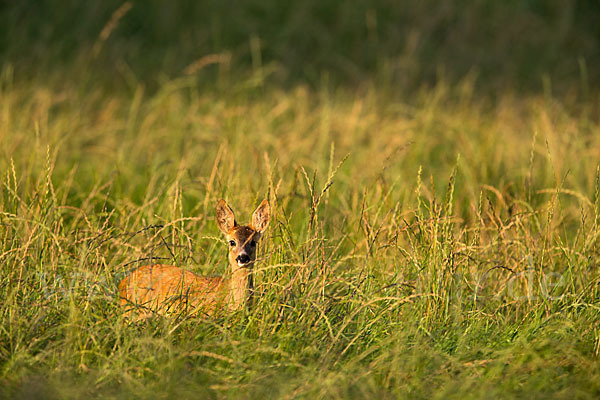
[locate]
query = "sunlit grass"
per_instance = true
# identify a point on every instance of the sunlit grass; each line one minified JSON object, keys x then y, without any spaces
{"x":437,"y":246}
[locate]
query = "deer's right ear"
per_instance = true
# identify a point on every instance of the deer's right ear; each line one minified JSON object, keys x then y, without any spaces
{"x":261,"y":217}
{"x":225,"y":218}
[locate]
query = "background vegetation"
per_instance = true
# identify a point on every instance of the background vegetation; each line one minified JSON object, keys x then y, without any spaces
{"x":433,"y":170}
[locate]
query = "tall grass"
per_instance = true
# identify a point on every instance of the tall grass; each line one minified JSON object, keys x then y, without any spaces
{"x":438,"y":247}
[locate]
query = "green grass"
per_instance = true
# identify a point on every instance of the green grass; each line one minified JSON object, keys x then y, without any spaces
{"x":429,"y":239}
{"x":444,"y":248}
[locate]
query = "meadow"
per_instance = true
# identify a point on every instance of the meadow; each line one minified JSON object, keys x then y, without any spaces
{"x":435,"y":230}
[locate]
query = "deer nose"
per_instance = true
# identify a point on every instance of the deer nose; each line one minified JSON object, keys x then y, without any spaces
{"x":243,"y":258}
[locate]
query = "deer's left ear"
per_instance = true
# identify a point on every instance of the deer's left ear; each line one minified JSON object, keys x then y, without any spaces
{"x":261,"y":217}
{"x":225,"y":218}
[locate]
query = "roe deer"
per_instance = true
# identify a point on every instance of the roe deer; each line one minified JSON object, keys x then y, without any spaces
{"x":167,"y":289}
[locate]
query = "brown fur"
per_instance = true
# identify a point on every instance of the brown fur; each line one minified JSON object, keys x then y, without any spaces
{"x":167,"y":289}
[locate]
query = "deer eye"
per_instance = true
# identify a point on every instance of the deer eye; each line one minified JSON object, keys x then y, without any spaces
{"x":232,"y":243}
{"x":253,"y":243}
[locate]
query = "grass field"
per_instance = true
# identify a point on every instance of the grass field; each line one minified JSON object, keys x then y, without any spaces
{"x":438,"y":243}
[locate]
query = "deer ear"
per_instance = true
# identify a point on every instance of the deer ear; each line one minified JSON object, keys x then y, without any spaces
{"x":225,"y":217}
{"x":261,"y":217}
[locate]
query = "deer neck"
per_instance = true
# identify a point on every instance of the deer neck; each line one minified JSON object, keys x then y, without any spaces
{"x":241,"y":286}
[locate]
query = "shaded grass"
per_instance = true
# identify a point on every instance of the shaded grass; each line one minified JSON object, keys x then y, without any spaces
{"x":529,"y":46}
{"x":443,"y":247}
